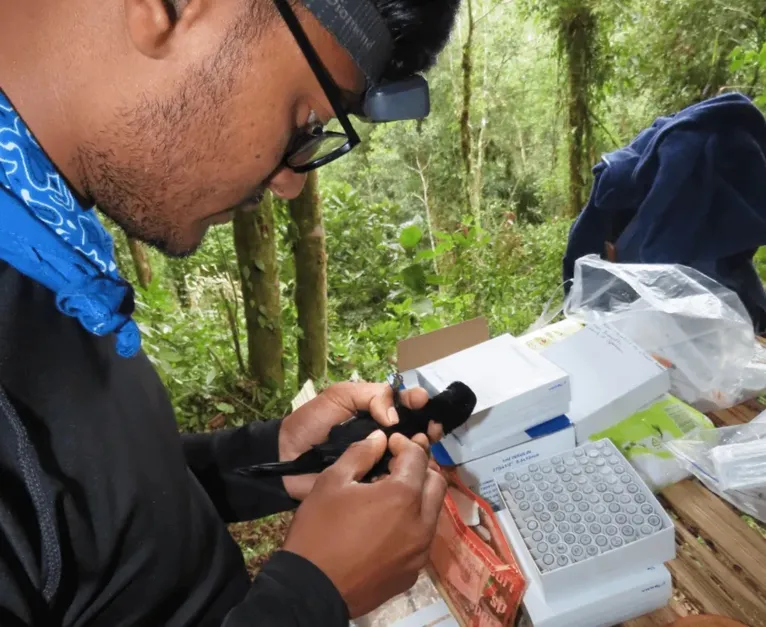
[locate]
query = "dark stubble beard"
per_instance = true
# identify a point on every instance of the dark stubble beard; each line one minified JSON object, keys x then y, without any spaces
{"x":145,"y":185}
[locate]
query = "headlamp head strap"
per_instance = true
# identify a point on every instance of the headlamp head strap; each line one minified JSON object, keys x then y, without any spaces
{"x":359,"y":28}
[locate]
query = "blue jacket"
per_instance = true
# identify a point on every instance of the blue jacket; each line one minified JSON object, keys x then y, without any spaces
{"x":690,"y":189}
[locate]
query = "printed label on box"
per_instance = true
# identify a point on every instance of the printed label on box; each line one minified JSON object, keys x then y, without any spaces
{"x":481,"y":475}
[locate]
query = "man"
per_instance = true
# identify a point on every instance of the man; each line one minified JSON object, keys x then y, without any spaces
{"x":165,"y":114}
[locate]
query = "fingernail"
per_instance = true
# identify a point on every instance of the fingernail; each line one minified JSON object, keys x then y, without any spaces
{"x":393,"y":416}
{"x":375,"y":435}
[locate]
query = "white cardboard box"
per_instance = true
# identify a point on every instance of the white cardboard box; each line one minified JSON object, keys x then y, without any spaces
{"x":609,"y":602}
{"x":436,"y":614}
{"x":495,"y":441}
{"x":492,"y":444}
{"x":656,"y":548}
{"x":612,"y":603}
{"x":611,"y":377}
{"x":516,"y":389}
{"x":458,"y":454}
{"x":480,"y":474}
{"x":420,"y":606}
{"x":540,"y":339}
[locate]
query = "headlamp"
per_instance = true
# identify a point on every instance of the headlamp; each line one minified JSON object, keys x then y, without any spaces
{"x":359,"y":28}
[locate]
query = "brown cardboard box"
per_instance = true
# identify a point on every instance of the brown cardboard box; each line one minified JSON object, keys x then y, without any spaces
{"x":423,"y":349}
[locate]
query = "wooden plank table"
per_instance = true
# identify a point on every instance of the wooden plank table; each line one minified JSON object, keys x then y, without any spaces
{"x":720,"y":566}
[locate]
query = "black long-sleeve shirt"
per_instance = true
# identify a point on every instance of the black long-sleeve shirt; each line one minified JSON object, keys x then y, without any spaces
{"x":108,"y":517}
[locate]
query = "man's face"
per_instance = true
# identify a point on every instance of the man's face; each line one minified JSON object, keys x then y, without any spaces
{"x":201,"y":117}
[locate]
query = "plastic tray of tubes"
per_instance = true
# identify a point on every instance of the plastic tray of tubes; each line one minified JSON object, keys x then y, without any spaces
{"x":584,"y":515}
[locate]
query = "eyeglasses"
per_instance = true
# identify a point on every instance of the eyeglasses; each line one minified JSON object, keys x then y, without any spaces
{"x":313,"y":147}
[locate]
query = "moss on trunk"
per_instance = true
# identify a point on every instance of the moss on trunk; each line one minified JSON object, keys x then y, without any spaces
{"x":310,"y":281}
{"x":255,"y":243}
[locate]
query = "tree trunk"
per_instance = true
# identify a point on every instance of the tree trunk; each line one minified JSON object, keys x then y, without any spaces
{"x":577,"y":41}
{"x":310,"y":281}
{"x":140,"y":262}
{"x":255,"y":243}
{"x":421,"y":171}
{"x":480,"y":147}
{"x":465,"y":114}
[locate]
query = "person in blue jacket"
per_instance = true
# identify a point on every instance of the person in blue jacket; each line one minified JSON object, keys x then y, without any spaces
{"x":165,"y":114}
{"x":687,"y":190}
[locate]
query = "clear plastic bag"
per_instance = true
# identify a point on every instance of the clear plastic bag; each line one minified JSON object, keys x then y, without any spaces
{"x":689,"y":322}
{"x":698,"y":451}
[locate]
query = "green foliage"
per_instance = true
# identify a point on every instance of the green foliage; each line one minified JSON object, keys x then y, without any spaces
{"x":410,"y":237}
{"x":192,"y":352}
{"x":760,"y":263}
{"x":673,"y":53}
{"x":748,"y":63}
{"x":384,"y":291}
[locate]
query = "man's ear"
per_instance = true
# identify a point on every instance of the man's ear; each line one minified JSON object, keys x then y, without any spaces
{"x":151,"y":23}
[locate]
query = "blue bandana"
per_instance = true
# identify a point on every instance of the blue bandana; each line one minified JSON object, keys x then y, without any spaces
{"x":46,"y":235}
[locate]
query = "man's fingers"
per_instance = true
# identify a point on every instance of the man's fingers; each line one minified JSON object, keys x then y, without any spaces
{"x":434,"y":491}
{"x":410,"y":462}
{"x":353,"y":397}
{"x":435,"y":431}
{"x":359,"y":458}
{"x":414,"y":398}
{"x":422,"y":441}
{"x":377,"y":398}
{"x":299,"y":486}
{"x":382,"y":407}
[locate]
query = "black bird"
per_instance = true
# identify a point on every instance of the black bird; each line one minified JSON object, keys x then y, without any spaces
{"x":450,"y":409}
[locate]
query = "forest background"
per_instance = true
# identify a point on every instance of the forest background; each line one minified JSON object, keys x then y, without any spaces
{"x":430,"y":223}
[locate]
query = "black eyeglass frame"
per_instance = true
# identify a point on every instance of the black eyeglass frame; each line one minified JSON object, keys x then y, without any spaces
{"x":328,"y":85}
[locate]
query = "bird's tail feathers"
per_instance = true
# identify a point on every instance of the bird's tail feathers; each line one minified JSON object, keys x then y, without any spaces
{"x":305,"y":464}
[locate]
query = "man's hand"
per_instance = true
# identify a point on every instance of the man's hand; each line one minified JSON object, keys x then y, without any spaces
{"x":310,"y":424}
{"x":373,"y":539}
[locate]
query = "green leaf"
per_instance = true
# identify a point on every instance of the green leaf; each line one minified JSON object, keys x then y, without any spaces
{"x":225,"y":408}
{"x":260,"y":265}
{"x":425,"y":255}
{"x":165,"y":354}
{"x":414,"y":278}
{"x":430,"y":323}
{"x":762,"y":57}
{"x":211,"y":375}
{"x":410,"y":237}
{"x":423,"y":306}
